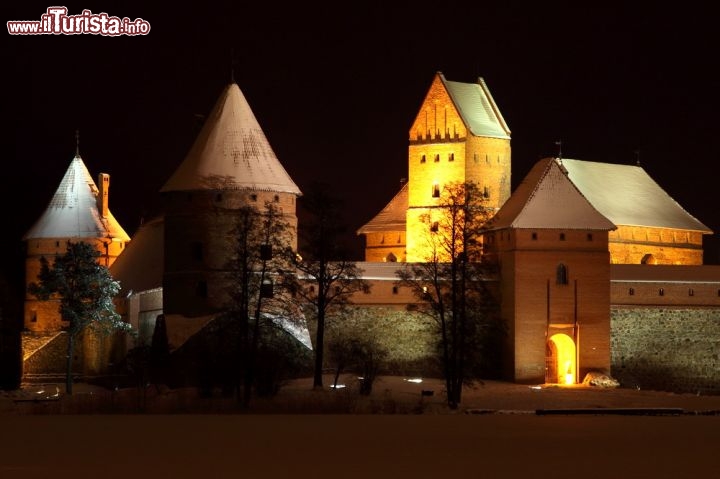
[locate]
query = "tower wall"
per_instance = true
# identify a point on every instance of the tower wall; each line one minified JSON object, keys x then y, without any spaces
{"x":199,"y":245}
{"x":44,"y":316}
{"x":488,"y":164}
{"x":534,"y":302}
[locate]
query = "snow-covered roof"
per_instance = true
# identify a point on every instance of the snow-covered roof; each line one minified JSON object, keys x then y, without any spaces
{"x":140,"y":266}
{"x":390,"y":218}
{"x":73,"y":210}
{"x":547,"y":199}
{"x":477,"y":108}
{"x":231,"y":152}
{"x":627,"y":196}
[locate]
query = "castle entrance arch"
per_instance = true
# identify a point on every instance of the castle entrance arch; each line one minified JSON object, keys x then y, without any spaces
{"x":560,"y":360}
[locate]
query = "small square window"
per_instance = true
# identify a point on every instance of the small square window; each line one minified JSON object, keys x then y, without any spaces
{"x":434,"y":226}
{"x":437,"y":158}
{"x":589,"y":237}
{"x":395,"y":290}
{"x":534,"y":236}
{"x":562,"y":236}
{"x":422,"y":159}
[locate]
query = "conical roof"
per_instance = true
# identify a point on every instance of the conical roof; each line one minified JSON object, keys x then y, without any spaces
{"x":231,"y":152}
{"x":73,"y":210}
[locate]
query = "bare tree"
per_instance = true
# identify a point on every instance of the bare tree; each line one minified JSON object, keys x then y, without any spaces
{"x":327,"y":277}
{"x":262,"y":286}
{"x":86,"y":291}
{"x":453,"y":283}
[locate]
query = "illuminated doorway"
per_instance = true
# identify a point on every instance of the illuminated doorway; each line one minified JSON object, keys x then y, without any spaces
{"x":560,"y":360}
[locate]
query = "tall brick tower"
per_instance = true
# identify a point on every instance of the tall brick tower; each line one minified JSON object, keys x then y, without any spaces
{"x":230,"y":165}
{"x":551,"y":245}
{"x":458,"y":136}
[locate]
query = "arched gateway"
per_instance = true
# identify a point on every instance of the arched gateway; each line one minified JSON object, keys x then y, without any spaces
{"x":561,"y":360}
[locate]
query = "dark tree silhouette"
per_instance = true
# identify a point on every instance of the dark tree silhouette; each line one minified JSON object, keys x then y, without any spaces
{"x":260,"y":291}
{"x":86,"y":291}
{"x":453,"y":284}
{"x":328,"y":278}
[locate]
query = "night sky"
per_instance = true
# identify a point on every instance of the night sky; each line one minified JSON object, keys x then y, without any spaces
{"x":336,"y":88}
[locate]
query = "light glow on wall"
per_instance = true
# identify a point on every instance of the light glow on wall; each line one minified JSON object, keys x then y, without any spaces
{"x":565,"y":360}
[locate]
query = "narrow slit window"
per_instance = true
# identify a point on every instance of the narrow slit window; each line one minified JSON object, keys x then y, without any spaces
{"x":436,"y":191}
{"x":561,"y":276}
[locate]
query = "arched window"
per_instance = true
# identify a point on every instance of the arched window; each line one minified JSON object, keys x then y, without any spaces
{"x":561,"y":274}
{"x":648,"y":259}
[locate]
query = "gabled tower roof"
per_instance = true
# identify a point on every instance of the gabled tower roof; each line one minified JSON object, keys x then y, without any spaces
{"x":547,"y":199}
{"x":73,"y":211}
{"x":231,"y":152}
{"x":477,"y":108}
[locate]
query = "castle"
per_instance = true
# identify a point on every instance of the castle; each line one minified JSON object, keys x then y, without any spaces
{"x":600,"y":269}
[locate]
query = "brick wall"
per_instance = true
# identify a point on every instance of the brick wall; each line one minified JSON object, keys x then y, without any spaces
{"x":670,"y":348}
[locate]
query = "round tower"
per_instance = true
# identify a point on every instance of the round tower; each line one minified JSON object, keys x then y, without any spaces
{"x":78,"y":211}
{"x":231,"y":165}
